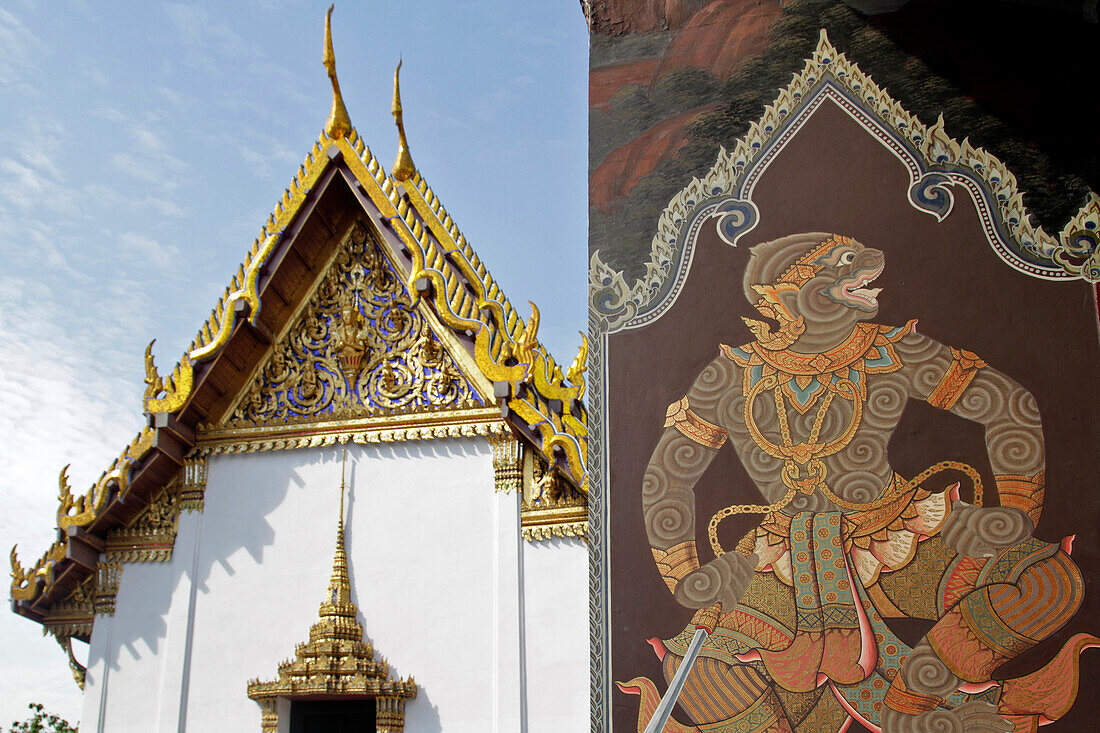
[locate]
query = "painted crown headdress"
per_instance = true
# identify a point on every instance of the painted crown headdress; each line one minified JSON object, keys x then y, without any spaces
{"x":801,"y":271}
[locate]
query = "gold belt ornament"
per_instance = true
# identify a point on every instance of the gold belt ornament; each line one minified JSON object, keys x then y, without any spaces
{"x":804,"y":470}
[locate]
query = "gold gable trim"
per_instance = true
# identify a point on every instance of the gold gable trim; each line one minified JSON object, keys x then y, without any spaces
{"x":357,"y":347}
{"x":464,"y":302}
{"x":391,"y":428}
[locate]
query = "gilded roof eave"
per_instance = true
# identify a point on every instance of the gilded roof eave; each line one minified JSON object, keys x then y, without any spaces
{"x":464,"y":295}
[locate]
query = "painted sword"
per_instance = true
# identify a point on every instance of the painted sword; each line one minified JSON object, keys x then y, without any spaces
{"x":672,"y":694}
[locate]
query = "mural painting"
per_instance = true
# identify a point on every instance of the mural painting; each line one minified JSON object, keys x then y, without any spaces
{"x":839,"y":471}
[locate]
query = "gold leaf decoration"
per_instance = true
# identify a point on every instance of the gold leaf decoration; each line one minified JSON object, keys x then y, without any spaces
{"x":360,"y":348}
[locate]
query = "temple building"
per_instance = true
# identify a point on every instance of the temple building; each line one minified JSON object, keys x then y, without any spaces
{"x":824,"y":464}
{"x":359,"y":500}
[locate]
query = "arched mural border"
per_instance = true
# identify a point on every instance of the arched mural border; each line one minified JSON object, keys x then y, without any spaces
{"x":934,"y":162}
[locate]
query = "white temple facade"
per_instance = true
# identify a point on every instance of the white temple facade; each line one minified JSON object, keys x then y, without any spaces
{"x":359,"y":500}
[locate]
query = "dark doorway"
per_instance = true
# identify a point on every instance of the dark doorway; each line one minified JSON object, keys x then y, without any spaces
{"x":332,"y":716}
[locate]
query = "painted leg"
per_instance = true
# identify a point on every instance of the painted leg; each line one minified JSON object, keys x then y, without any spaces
{"x":914,"y":697}
{"x":723,"y":698}
{"x":986,"y":628}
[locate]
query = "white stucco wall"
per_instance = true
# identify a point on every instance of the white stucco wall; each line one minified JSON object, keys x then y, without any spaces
{"x":556,"y":640}
{"x":434,"y":559}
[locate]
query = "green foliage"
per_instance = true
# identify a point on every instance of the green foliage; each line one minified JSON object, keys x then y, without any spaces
{"x":42,"y":722}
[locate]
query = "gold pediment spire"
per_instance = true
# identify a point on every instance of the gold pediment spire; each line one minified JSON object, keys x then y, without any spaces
{"x":336,"y":662}
{"x":403,"y":167}
{"x":339,"y":122}
{"x":338,"y":599}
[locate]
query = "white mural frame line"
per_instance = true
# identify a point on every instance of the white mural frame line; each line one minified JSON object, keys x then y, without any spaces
{"x":935,"y":163}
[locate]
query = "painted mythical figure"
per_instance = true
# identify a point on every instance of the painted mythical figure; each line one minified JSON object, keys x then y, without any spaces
{"x":796,"y":613}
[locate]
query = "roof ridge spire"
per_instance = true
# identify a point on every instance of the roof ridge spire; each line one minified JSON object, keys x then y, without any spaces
{"x":403,"y":167}
{"x":339,"y":122}
{"x":338,"y":600}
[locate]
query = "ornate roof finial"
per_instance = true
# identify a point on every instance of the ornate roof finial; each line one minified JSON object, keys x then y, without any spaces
{"x":339,"y":123}
{"x":338,"y":601}
{"x":343,"y":468}
{"x":403,"y":167}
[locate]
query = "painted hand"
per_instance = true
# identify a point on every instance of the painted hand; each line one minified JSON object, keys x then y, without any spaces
{"x":722,"y":580}
{"x":980,"y":532}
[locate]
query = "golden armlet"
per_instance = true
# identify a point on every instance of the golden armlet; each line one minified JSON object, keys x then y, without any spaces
{"x":675,"y":563}
{"x":707,"y":617}
{"x":964,"y":365}
{"x":706,"y":434}
{"x":1022,"y":492}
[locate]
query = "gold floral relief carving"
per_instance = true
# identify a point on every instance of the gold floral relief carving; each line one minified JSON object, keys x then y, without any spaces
{"x":151,"y":536}
{"x":74,"y":615}
{"x":359,"y":348}
{"x":507,"y":463}
{"x":71,"y":618}
{"x":193,"y":484}
{"x":108,"y":574}
{"x":551,"y":507}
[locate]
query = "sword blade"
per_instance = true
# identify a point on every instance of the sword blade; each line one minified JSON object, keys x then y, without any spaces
{"x":672,"y":694}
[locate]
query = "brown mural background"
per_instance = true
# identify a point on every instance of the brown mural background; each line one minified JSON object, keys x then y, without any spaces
{"x":673,"y":80}
{"x":833,"y":176}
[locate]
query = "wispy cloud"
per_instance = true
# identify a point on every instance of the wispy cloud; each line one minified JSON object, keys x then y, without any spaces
{"x":209,"y":41}
{"x":158,"y":255}
{"x":94,"y":75}
{"x":59,"y":405}
{"x":25,"y":187}
{"x":18,"y":48}
{"x":149,"y":160}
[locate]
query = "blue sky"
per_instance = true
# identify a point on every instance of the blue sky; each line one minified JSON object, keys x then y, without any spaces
{"x":142,"y":145}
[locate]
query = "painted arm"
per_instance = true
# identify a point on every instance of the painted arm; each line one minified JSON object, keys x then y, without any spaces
{"x":691,"y":439}
{"x":959,"y":381}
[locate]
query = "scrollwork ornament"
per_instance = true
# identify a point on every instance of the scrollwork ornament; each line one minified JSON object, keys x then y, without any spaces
{"x":359,"y":348}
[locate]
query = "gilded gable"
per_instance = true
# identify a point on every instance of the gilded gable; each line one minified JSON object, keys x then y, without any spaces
{"x":359,"y":348}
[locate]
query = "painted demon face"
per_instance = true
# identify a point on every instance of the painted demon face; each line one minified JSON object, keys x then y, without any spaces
{"x":852,"y":267}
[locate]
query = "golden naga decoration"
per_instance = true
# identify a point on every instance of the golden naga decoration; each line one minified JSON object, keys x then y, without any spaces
{"x":22,"y":580}
{"x":336,"y":662}
{"x":527,"y":341}
{"x":166,"y":395}
{"x":154,"y":385}
{"x":467,"y":299}
{"x":403,"y":167}
{"x":359,"y":349}
{"x":24,"y":583}
{"x":339,"y":122}
{"x":247,"y":293}
{"x":82,"y":510}
{"x":579,"y":367}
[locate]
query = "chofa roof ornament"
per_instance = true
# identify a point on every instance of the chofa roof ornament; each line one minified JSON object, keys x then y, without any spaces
{"x":339,"y":122}
{"x":403,"y":167}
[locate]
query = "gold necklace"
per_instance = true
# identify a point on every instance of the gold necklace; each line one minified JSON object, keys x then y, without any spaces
{"x":807,"y":456}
